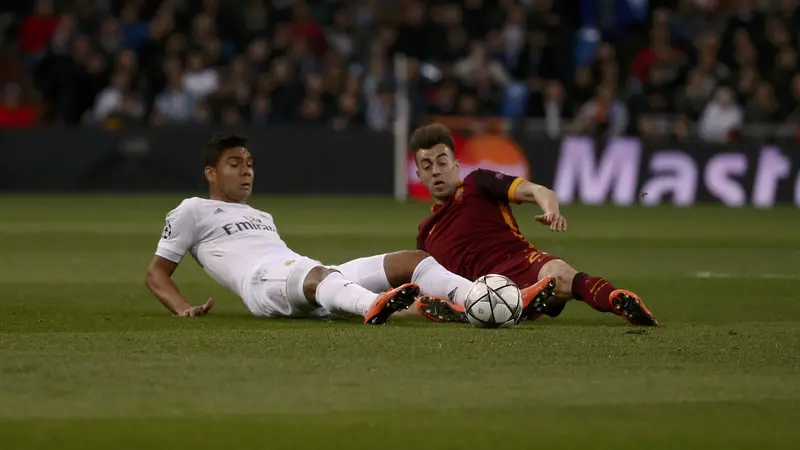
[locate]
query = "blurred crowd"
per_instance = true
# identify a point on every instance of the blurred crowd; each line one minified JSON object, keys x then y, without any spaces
{"x":642,"y":67}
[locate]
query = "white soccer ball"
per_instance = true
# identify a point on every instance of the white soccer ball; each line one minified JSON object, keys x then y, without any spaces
{"x":493,"y":301}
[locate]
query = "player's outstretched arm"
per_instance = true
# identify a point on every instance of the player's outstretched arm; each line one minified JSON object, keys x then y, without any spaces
{"x":528,"y":192}
{"x":159,"y":281}
{"x":501,"y":187}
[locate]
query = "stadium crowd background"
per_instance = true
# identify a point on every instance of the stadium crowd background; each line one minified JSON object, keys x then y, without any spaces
{"x":657,"y":67}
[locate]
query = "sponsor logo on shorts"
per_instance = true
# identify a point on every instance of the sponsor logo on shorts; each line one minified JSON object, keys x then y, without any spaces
{"x":289,"y":263}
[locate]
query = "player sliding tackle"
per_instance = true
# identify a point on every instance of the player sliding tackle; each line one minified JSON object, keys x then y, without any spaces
{"x":240,"y":248}
{"x":472,"y":232}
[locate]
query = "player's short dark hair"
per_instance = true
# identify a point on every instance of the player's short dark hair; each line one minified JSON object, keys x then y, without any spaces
{"x":431,"y":135}
{"x":214,"y":149}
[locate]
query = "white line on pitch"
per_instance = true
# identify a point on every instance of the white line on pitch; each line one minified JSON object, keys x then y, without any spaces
{"x":762,"y":276}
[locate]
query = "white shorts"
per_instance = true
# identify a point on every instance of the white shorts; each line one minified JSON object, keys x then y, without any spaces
{"x":276,"y":290}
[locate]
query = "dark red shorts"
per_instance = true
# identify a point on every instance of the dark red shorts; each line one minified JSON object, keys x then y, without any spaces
{"x":524,"y":269}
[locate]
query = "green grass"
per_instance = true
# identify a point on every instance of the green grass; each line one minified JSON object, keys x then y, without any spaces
{"x":89,"y":360}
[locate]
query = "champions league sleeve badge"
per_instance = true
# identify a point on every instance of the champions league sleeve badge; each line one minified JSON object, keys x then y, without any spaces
{"x":167,"y":231}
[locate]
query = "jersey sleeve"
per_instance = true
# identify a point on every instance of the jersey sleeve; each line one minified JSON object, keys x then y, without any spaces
{"x":179,"y":232}
{"x":495,"y":185}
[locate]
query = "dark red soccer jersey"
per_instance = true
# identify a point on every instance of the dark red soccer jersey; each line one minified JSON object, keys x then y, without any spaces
{"x":474,"y":232}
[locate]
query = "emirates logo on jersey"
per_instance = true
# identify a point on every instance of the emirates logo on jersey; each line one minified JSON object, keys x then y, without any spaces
{"x":251,"y":223}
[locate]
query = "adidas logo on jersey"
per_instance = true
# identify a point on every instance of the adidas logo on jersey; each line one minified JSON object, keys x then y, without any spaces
{"x":219,"y":210}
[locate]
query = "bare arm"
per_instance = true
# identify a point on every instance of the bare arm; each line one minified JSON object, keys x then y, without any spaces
{"x":527,"y":192}
{"x":159,"y":281}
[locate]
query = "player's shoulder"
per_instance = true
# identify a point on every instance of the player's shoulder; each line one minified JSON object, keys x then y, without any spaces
{"x":483,"y":173}
{"x":187,"y":206}
{"x":484,"y":177}
{"x":478,"y":177}
{"x":190,"y":203}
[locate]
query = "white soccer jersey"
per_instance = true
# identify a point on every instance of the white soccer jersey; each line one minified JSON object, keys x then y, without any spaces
{"x":231,"y":241}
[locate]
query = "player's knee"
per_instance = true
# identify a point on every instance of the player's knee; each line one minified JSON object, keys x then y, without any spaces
{"x":564,"y":285}
{"x":563,"y":273}
{"x":400,"y":266}
{"x":313,"y":279}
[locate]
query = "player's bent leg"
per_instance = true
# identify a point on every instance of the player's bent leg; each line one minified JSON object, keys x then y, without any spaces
{"x":563,"y":274}
{"x":409,"y":266}
{"x":330,"y":289}
{"x":538,"y":294}
{"x":440,"y":288}
{"x":383,"y":272}
{"x":597,"y":292}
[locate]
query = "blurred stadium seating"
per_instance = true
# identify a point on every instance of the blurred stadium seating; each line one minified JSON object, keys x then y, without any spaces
{"x":717,"y":68}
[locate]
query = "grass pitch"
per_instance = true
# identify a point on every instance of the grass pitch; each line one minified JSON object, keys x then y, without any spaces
{"x":89,"y":360}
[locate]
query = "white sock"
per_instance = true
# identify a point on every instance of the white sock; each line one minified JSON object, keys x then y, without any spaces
{"x":436,"y":281}
{"x":335,"y":293}
{"x":368,"y":272}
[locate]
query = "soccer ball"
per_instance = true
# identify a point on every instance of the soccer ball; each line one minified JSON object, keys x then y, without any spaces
{"x":493,"y":301}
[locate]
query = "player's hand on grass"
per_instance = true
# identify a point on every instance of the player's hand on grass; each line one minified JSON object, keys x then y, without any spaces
{"x":555,"y":221}
{"x":201,"y":310}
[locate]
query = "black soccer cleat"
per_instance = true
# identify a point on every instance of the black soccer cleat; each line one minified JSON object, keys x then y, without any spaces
{"x":390,"y":302}
{"x":630,"y":307}
{"x":535,"y":297}
{"x":440,"y":310}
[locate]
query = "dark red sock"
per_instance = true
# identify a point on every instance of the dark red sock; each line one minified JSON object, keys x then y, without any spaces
{"x":594,"y":291}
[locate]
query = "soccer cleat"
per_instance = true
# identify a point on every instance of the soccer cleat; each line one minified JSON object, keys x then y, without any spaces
{"x":390,"y":302}
{"x":631,"y":308}
{"x":440,"y":310}
{"x":534,"y":300}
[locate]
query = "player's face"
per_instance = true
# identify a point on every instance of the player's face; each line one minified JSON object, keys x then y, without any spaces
{"x":232,"y":178}
{"x":438,"y":170}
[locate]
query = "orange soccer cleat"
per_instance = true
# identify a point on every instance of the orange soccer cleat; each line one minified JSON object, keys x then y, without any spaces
{"x":441,"y":310}
{"x":390,"y":302}
{"x":534,"y":300}
{"x":630,"y":307}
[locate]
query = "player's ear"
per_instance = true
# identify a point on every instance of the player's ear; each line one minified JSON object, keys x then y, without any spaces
{"x":209,"y":174}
